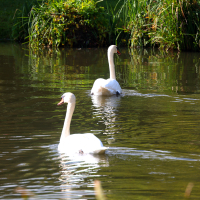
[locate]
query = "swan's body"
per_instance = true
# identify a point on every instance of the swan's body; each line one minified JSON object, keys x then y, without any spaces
{"x":77,"y":143}
{"x":108,"y":86}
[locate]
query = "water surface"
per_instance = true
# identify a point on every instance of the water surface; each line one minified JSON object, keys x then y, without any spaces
{"x":152,"y":129}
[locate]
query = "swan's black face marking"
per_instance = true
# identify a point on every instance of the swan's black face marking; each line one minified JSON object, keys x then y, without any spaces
{"x":61,"y":101}
{"x":92,"y":93}
{"x":117,"y":93}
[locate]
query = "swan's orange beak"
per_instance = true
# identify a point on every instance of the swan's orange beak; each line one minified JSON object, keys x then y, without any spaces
{"x":61,"y":102}
{"x":118,"y":52}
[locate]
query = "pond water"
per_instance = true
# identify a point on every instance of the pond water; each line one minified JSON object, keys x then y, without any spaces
{"x":152,"y":129}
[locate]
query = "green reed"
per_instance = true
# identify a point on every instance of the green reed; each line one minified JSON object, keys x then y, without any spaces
{"x":21,"y":20}
{"x":169,"y":24}
{"x":116,"y":32}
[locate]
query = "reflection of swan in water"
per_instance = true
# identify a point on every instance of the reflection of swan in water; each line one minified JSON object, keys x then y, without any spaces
{"x":106,"y":101}
{"x":76,"y":170}
{"x":108,"y":86}
{"x":105,"y":107}
{"x":77,"y":143}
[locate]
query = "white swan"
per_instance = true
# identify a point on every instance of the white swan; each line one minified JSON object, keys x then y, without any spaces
{"x":77,"y":143}
{"x":109,"y":86}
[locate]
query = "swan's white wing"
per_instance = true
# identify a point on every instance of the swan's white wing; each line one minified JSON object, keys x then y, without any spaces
{"x":113,"y":85}
{"x":106,"y":87}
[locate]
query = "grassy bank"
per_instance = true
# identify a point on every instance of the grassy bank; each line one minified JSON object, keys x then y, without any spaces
{"x":167,"y":24}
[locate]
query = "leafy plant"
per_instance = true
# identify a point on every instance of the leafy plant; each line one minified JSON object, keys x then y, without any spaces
{"x":73,"y":23}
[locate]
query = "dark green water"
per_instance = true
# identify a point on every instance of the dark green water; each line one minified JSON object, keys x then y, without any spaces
{"x":153,"y":129}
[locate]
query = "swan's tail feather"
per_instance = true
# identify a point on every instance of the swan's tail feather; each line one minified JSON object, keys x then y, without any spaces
{"x":101,"y":91}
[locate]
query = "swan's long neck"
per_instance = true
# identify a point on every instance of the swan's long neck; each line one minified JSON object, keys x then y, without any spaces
{"x":66,"y":128}
{"x":111,"y":65}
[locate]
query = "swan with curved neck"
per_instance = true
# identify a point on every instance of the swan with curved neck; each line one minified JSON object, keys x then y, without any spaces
{"x":77,"y":143}
{"x":108,"y":86}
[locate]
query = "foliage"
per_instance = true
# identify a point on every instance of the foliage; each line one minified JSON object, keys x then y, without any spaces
{"x":73,"y":23}
{"x":169,"y":24}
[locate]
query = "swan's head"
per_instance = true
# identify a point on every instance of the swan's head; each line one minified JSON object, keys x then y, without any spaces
{"x":67,"y":97}
{"x":113,"y":49}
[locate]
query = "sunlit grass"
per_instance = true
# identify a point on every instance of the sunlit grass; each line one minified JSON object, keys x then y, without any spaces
{"x":166,"y":24}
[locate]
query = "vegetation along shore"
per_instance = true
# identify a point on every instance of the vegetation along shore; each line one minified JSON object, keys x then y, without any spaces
{"x":167,"y":24}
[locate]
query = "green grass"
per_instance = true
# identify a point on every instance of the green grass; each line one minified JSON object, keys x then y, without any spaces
{"x":166,"y":24}
{"x":111,"y":3}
